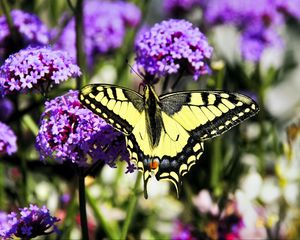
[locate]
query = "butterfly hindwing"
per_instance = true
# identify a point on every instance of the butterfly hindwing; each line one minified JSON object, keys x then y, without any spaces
{"x":120,"y":107}
{"x":206,"y":114}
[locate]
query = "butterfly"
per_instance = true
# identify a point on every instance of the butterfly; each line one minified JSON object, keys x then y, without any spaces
{"x":165,"y":134}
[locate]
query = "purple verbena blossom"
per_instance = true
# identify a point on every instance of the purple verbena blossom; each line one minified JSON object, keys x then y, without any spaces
{"x":35,"y":68}
{"x":256,"y":38}
{"x":70,"y":132}
{"x":28,"y":223}
{"x":241,"y":13}
{"x":8,"y":140}
{"x":172,"y":46}
{"x":31,"y":29}
{"x":105,"y":27}
{"x":258,"y":21}
{"x":289,"y":8}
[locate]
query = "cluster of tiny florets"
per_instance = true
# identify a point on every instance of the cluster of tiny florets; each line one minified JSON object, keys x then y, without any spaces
{"x":28,"y":223}
{"x":258,"y":21}
{"x":31,"y":29}
{"x":36,"y":68}
{"x":71,"y":132}
{"x":104,"y":28}
{"x":8,"y":140}
{"x":172,"y":46}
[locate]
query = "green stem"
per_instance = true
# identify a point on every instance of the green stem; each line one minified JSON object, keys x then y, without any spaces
{"x":22,"y":156}
{"x":82,"y":207}
{"x":111,"y":232}
{"x":24,"y":183}
{"x":6,"y":12}
{"x":30,"y":123}
{"x":177,"y":80}
{"x":80,"y":55}
{"x":216,"y":165}
{"x":261,"y":117}
{"x":131,"y":207}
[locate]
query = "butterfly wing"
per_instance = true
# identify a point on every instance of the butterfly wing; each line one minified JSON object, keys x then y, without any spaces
{"x":189,"y":118}
{"x":120,"y":107}
{"x":207,"y":114}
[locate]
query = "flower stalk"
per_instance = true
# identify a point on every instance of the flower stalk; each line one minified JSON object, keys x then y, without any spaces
{"x":80,"y":54}
{"x":82,"y":205}
{"x":131,"y":207}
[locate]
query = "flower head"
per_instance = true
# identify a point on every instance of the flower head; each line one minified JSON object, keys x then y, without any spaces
{"x":37,"y":68}
{"x":105,"y":26}
{"x":70,"y":132}
{"x":172,"y":46}
{"x":28,"y":223}
{"x":289,"y":7}
{"x":8,"y":140}
{"x":258,"y":21}
{"x":31,"y":29}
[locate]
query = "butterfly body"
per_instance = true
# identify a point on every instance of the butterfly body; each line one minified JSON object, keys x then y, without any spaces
{"x":165,"y":134}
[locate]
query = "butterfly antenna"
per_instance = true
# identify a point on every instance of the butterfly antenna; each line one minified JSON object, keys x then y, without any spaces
{"x":133,"y":70}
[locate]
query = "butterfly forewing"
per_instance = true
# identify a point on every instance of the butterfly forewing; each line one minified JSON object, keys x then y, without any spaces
{"x":206,"y":114}
{"x":120,"y":107}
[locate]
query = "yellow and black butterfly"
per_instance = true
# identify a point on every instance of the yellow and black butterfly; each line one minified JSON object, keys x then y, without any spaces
{"x":165,"y":134}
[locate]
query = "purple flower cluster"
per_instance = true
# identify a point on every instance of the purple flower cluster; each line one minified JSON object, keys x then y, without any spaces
{"x":175,"y":6}
{"x":8,"y":140}
{"x":37,"y":68}
{"x":172,"y":46}
{"x":28,"y":223}
{"x":289,"y":8}
{"x":104,"y":25}
{"x":70,"y":132}
{"x":32,"y":30}
{"x":258,"y":21}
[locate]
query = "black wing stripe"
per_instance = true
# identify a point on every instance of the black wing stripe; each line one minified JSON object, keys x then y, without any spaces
{"x":109,"y":101}
{"x":219,"y":125}
{"x":216,"y":111}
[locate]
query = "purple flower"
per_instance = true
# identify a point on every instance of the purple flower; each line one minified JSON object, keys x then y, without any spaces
{"x":8,"y":140}
{"x":28,"y":223}
{"x":255,"y":39}
{"x":70,"y":132}
{"x":31,"y":29}
{"x":35,"y":68}
{"x":172,"y":46}
{"x":104,"y":24}
{"x":182,"y":231}
{"x":258,"y":21}
{"x":130,"y":13}
{"x":289,"y":7}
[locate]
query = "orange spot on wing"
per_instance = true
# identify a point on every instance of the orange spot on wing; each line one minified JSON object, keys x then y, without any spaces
{"x":154,"y":164}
